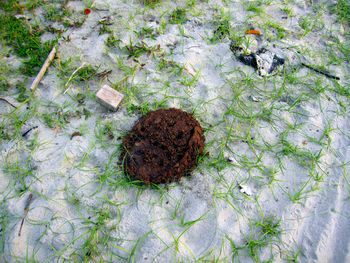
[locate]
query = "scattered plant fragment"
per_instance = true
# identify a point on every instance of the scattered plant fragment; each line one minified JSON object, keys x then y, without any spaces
{"x":252,"y":31}
{"x":141,"y":48}
{"x":87,"y":11}
{"x":5,"y":100}
{"x":75,"y":134}
{"x":29,"y":130}
{"x":25,"y":212}
{"x":321,"y":71}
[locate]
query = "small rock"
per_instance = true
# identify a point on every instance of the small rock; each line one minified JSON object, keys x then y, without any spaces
{"x":245,"y":190}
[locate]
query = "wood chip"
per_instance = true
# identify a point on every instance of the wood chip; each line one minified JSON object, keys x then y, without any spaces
{"x":109,"y":97}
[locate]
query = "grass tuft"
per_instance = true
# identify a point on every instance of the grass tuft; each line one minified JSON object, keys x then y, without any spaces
{"x":26,"y":43}
{"x":342,"y":9}
{"x":178,"y":16}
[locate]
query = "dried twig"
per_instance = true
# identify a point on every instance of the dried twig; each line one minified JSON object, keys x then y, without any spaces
{"x":8,"y":102}
{"x":43,"y":69}
{"x":71,"y":76}
{"x":326,"y":73}
{"x":188,"y":72}
{"x":104,"y":74}
{"x":26,"y":132}
{"x":25,"y":212}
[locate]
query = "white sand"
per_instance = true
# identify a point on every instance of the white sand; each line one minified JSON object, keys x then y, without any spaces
{"x":76,"y":181}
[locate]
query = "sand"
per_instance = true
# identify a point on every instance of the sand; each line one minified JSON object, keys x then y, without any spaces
{"x":275,"y":183}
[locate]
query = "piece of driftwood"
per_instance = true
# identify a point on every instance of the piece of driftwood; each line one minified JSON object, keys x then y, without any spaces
{"x":43,"y":69}
{"x":109,"y":97}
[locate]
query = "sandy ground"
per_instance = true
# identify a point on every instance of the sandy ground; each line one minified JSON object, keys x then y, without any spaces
{"x":275,"y":184}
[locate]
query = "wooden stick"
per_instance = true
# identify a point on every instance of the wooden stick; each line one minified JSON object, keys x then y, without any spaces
{"x":43,"y":69}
